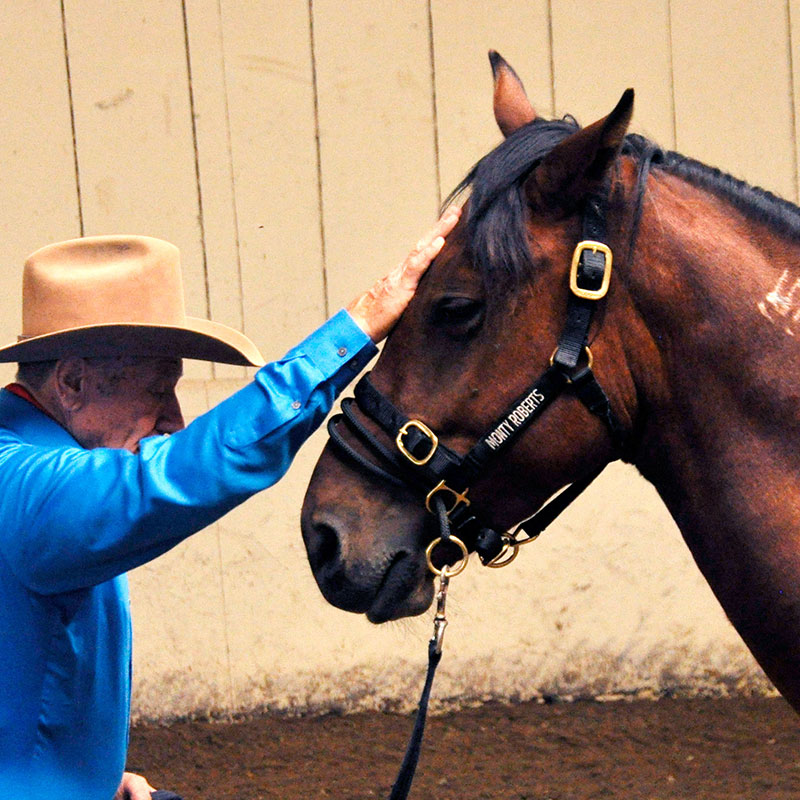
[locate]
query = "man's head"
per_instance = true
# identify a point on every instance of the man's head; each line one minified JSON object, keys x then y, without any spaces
{"x":108,"y":402}
{"x":104,"y":330}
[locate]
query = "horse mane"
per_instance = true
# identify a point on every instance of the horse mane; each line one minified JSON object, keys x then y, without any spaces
{"x":496,"y":229}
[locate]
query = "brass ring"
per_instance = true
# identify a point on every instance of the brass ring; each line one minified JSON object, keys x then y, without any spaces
{"x":586,"y":349}
{"x":450,"y":572}
{"x":503,"y":559}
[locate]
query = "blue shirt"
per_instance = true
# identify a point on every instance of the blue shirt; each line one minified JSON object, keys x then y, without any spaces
{"x":73,"y":521}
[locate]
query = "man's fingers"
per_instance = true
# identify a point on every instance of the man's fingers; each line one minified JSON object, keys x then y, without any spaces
{"x":378,"y":309}
{"x":443,"y":226}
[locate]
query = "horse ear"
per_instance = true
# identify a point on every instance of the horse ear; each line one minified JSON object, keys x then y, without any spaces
{"x":512,"y":109}
{"x":577,"y":165}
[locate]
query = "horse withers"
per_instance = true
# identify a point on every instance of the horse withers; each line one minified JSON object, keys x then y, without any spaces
{"x":694,"y":350}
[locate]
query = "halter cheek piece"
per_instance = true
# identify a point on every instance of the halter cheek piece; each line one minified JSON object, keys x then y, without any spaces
{"x":420,"y":461}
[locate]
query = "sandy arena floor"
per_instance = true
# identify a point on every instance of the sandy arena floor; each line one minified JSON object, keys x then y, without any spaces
{"x":702,"y":749}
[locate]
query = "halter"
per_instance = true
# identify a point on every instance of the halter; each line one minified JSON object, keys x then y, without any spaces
{"x":420,"y":461}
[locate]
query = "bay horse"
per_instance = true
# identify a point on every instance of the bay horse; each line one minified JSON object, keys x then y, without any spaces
{"x":695,"y":359}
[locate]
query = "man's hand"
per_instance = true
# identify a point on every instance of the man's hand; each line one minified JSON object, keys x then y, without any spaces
{"x":133,"y":787}
{"x":377,"y":310}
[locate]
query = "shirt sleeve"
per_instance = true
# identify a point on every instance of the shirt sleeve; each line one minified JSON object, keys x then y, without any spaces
{"x":73,"y":518}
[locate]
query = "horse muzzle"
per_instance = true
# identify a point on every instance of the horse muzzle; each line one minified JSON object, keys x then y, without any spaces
{"x":387,"y":581}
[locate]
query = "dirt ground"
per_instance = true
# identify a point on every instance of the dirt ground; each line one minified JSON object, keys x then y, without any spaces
{"x":700,"y":749}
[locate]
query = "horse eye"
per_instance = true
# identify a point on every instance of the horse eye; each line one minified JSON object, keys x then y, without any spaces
{"x":460,"y":315}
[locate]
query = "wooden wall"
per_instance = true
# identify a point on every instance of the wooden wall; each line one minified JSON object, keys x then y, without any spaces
{"x":293,"y":150}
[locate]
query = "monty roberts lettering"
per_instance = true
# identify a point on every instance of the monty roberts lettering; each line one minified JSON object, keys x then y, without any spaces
{"x":516,"y":419}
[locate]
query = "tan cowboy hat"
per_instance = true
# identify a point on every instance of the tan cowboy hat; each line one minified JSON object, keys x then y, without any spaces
{"x":115,"y":295}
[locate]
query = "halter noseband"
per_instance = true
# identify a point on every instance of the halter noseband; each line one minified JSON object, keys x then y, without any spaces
{"x":419,"y":460}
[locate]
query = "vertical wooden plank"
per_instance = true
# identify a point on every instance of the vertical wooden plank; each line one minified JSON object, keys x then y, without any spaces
{"x":133,"y":125}
{"x":269,"y":79}
{"x":732,"y":89}
{"x":602,"y":48}
{"x":215,"y":167}
{"x":379,"y":182}
{"x":465,"y":123}
{"x":39,"y":200}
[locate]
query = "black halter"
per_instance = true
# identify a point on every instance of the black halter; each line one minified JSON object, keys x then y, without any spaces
{"x":420,"y":461}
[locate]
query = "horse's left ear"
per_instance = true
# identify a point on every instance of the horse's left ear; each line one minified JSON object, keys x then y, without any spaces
{"x":512,"y":109}
{"x":577,"y":166}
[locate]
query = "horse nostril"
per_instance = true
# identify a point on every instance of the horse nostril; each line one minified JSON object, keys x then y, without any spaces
{"x":323,"y":545}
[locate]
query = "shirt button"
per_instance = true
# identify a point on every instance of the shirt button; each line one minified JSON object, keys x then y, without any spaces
{"x":296,"y":405}
{"x":342,"y":351}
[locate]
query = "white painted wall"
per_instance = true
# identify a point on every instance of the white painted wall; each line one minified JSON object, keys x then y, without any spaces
{"x":293,"y":151}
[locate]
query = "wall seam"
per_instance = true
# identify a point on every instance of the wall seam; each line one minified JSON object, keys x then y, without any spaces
{"x":792,"y":106}
{"x":552,"y":62}
{"x":434,"y":108}
{"x":231,"y":173}
{"x":318,"y":146}
{"x":196,"y":153}
{"x":72,"y":120}
{"x":670,"y":48}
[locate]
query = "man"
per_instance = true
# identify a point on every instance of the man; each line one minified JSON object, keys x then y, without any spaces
{"x":99,"y":475}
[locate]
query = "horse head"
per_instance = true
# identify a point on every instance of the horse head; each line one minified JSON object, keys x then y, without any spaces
{"x":484,"y":323}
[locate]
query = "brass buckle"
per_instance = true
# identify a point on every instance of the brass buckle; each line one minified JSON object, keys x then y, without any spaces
{"x":420,"y":426}
{"x":456,"y":497}
{"x":595,"y":247}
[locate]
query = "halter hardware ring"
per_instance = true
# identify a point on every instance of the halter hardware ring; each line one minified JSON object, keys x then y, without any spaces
{"x":508,"y":552}
{"x":457,"y":497}
{"x":423,"y":428}
{"x":446,"y":571}
{"x":589,"y":359}
{"x":595,"y":247}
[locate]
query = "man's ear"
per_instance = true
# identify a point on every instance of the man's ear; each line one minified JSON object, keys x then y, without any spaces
{"x":577,"y":166}
{"x":70,"y":382}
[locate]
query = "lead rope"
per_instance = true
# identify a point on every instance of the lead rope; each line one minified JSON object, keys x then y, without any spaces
{"x":402,"y":784}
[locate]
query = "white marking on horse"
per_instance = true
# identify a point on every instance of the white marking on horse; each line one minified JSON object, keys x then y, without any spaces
{"x":782,"y":304}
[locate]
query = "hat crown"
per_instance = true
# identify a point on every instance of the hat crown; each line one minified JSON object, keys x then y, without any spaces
{"x":116,"y":295}
{"x":101,"y":280}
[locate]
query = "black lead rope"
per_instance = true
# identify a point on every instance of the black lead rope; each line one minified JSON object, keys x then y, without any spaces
{"x":402,"y":785}
{"x":405,"y":777}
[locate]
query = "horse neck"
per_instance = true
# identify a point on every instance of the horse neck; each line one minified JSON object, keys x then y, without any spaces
{"x":716,"y":370}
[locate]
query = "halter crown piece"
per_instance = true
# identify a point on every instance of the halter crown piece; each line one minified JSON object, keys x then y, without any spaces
{"x":443,"y":477}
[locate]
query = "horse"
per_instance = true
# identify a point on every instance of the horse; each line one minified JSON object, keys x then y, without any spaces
{"x":684,"y":364}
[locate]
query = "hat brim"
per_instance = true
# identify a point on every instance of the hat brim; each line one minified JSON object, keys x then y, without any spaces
{"x":198,"y":339}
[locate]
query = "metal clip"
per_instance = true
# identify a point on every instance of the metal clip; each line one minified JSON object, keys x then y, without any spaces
{"x":439,"y":621}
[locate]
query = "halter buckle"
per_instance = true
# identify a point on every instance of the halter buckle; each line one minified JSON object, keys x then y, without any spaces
{"x":423,"y":428}
{"x":456,"y":498}
{"x":595,"y":247}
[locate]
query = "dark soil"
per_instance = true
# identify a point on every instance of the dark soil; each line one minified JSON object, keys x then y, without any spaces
{"x":700,"y":749}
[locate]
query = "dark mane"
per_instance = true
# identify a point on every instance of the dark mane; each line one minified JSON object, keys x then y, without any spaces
{"x":497,"y":208}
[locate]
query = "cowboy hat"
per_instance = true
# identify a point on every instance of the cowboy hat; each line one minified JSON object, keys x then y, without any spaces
{"x":115,"y":295}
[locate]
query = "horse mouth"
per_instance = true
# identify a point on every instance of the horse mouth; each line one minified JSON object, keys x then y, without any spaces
{"x":403,"y":592}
